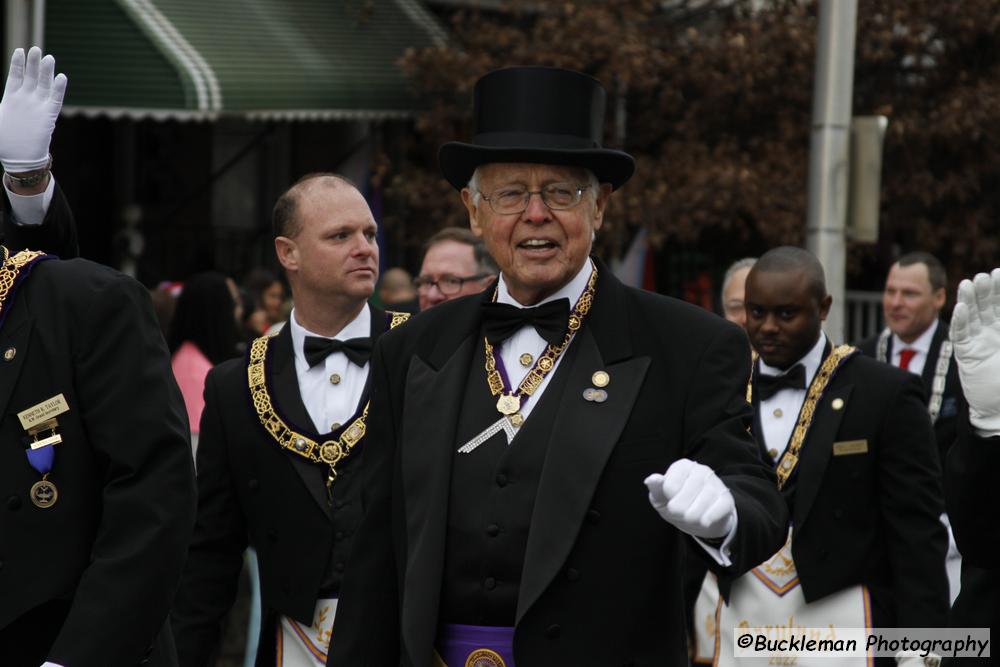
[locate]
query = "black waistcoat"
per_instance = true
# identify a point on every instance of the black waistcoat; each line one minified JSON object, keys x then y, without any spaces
{"x":491,"y":501}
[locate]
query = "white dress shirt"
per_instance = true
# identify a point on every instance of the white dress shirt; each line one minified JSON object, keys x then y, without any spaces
{"x":922,"y":345}
{"x":779,"y":413}
{"x":30,"y":209}
{"x":332,"y":389}
{"x":527,"y":340}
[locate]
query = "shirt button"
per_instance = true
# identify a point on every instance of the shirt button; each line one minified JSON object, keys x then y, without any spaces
{"x":334,"y":426}
{"x":492,"y":530}
{"x":490,"y":583}
{"x":778,"y":412}
{"x":335,"y":378}
{"x":773,"y":453}
{"x":501,"y":480}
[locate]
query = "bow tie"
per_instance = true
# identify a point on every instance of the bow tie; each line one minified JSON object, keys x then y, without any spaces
{"x":769,"y":385}
{"x":358,"y":350}
{"x":501,"y":321}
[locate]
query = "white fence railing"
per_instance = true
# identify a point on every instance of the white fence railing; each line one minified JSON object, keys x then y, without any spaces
{"x":863,"y":314}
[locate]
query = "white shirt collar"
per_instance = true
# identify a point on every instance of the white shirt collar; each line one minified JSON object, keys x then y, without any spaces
{"x":812,"y":359}
{"x":571,"y":290}
{"x":359,"y":327}
{"x":921,"y":344}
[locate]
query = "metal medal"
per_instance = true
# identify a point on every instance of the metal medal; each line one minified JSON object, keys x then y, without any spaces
{"x":508,"y":404}
{"x":44,"y":494}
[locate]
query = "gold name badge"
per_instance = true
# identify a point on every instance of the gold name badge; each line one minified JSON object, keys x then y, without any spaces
{"x":43,"y":412}
{"x":847,"y":447}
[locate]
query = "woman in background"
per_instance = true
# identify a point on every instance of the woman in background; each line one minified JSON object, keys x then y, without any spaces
{"x":203,"y":332}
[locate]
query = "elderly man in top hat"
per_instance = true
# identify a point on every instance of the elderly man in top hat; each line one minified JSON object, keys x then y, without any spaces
{"x":512,"y":431}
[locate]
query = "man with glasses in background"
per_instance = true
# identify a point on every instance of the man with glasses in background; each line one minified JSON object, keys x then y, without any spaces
{"x":455,"y":263}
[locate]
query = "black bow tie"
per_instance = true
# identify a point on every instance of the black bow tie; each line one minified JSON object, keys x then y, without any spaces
{"x":769,"y":385}
{"x":358,"y":350}
{"x":501,"y":321}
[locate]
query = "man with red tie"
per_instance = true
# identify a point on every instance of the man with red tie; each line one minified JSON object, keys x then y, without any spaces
{"x":915,"y":338}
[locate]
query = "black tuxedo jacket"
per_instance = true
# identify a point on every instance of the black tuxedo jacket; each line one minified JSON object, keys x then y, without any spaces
{"x":872,"y":517}
{"x":973,"y":503}
{"x":945,"y":428}
{"x":974,"y":511}
{"x":678,"y":384}
{"x":88,"y":582}
{"x":251,"y":491}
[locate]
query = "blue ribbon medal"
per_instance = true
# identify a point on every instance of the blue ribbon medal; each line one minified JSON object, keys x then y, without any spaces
{"x":41,"y":455}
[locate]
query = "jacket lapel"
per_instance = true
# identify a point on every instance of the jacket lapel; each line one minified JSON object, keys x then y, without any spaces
{"x":14,"y":335}
{"x":571,"y":471}
{"x":434,"y":386}
{"x":818,"y":447}
{"x":284,"y":386}
{"x":927,"y":375}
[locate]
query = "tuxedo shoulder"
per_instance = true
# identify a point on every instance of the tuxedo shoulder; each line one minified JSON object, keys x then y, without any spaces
{"x":432,"y":322}
{"x":657,"y":311}
{"x":83,"y":283}
{"x":229,"y":371}
{"x":882,"y":373}
{"x":867,"y":345}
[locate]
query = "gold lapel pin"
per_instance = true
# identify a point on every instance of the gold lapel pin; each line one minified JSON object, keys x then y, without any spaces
{"x":837,"y":404}
{"x":8,"y":355}
{"x":600,"y":379}
{"x":526,"y":359}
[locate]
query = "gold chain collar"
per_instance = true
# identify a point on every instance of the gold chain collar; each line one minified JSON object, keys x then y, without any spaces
{"x":330,"y":452}
{"x":509,"y":402}
{"x":790,"y":459}
{"x":11,"y":268}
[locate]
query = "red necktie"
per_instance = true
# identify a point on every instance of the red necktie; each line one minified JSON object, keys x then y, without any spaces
{"x":905,"y":356}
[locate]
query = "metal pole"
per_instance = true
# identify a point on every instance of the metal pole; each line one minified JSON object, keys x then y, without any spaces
{"x":17,"y":28}
{"x":828,"y":151}
{"x":38,"y":24}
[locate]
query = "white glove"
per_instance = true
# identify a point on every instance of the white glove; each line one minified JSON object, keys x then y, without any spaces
{"x":31,"y":103}
{"x":975,"y":335}
{"x":691,"y":497}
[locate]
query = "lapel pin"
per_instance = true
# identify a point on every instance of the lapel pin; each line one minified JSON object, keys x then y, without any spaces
{"x":8,"y":355}
{"x":526,"y":359}
{"x":837,"y":404}
{"x":600,"y":379}
{"x":589,"y":393}
{"x":600,"y":395}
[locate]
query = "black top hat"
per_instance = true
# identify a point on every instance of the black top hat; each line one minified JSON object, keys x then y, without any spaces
{"x":541,"y":115}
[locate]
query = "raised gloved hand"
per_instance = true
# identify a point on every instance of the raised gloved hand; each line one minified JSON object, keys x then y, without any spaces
{"x":691,"y":497}
{"x":31,"y":102}
{"x":975,"y":335}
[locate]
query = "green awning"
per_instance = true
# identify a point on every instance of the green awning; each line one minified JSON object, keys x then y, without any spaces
{"x":258,"y":59}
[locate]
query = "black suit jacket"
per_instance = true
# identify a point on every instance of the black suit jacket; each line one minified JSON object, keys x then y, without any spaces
{"x":872,"y":518}
{"x":56,"y":235}
{"x":250,"y":491}
{"x":88,"y":582}
{"x":678,"y":383}
{"x":973,"y":503}
{"x":945,"y":428}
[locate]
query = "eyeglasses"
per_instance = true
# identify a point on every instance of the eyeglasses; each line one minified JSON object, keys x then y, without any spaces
{"x":447,"y":285}
{"x":557,"y":196}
